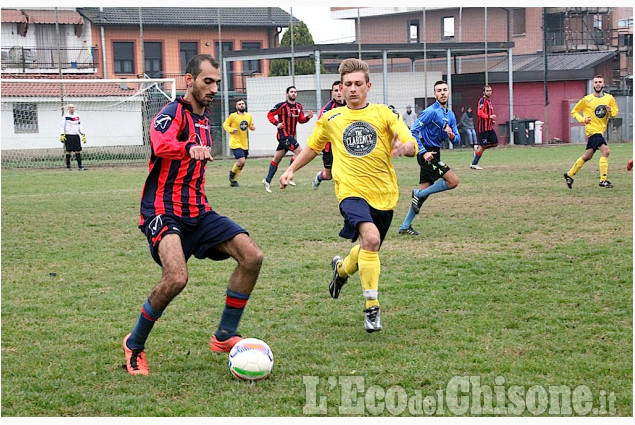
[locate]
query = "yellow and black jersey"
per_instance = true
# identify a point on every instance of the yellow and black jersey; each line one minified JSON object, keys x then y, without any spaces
{"x":595,"y":107}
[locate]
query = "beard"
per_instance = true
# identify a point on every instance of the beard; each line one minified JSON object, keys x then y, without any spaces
{"x":240,"y":110}
{"x":200,"y":98}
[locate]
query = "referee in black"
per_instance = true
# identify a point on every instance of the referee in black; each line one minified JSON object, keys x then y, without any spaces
{"x":70,"y":130}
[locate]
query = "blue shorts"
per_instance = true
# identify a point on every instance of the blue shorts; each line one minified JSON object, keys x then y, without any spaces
{"x":488,"y":139}
{"x":287,"y":144}
{"x":595,"y":141}
{"x":199,"y":235}
{"x":240,"y":153}
{"x":355,"y":211}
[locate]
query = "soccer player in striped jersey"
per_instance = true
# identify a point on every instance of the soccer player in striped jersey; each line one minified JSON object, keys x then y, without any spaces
{"x":286,"y":116}
{"x":336,"y":101}
{"x":178,"y":220}
{"x":594,"y":111}
{"x":237,"y":125}
{"x":485,"y":127}
{"x":364,"y":138}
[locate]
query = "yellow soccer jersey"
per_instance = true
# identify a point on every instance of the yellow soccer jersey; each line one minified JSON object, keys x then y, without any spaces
{"x":361,"y":142}
{"x":595,"y":107}
{"x":242,"y":123}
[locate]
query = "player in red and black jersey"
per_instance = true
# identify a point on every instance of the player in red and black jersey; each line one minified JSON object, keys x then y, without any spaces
{"x":337,"y":100}
{"x":178,"y":220}
{"x":486,"y":135}
{"x":285,"y":116}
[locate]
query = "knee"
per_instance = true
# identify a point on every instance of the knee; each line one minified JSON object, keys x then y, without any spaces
{"x":176,"y":280}
{"x":453,"y":182}
{"x":253,"y":260}
{"x":241,"y":163}
{"x":372,"y":242}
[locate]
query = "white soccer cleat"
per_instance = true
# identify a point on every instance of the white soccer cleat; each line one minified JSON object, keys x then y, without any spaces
{"x":475,"y":167}
{"x":267,"y":185}
{"x":291,"y":183}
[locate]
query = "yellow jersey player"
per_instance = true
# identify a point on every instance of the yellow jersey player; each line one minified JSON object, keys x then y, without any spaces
{"x":364,"y":137}
{"x":594,"y":111}
{"x":237,"y":125}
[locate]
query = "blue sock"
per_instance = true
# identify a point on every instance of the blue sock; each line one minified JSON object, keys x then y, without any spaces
{"x":147,"y":319}
{"x":273,"y":167}
{"x":408,"y":220}
{"x":477,"y":158}
{"x":319,"y":176}
{"x":234,"y":306}
{"x":438,"y":186}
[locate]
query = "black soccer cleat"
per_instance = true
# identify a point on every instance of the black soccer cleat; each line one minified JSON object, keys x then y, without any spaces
{"x":569,"y":180}
{"x":607,"y":184}
{"x":335,"y":287}
{"x":408,"y":231}
{"x":417,"y":202}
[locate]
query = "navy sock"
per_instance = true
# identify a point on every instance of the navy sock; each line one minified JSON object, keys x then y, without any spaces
{"x":147,"y":319}
{"x":477,"y":158}
{"x":234,"y":306}
{"x":273,"y":167}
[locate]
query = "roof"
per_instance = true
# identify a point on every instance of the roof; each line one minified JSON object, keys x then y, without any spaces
{"x":12,"y":15}
{"x":189,"y":16}
{"x":69,"y":17}
{"x":71,"y":89}
{"x":556,"y":62}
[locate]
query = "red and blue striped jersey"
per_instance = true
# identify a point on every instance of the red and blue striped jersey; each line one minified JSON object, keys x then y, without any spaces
{"x":332,"y":104}
{"x":288,"y":114}
{"x":176,"y":182}
{"x":485,"y":110}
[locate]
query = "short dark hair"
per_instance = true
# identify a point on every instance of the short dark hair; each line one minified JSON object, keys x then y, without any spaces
{"x":194,"y":64}
{"x":291,"y":87}
{"x":337,"y":83}
{"x":599,"y":76}
{"x":438,"y":83}
{"x":486,"y":86}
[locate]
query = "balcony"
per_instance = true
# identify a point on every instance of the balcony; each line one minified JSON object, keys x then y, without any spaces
{"x":33,"y":60}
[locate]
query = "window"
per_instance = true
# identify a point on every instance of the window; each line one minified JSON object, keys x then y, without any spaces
{"x":187,"y":50}
{"x":123,"y":53}
{"x":153,"y":53}
{"x":252,"y":66}
{"x":227,"y":47}
{"x":518,"y":22}
{"x":25,"y":118}
{"x":413,"y":31}
{"x":448,"y":28}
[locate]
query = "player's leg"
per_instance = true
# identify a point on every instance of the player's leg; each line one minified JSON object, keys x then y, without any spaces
{"x":406,"y":225}
{"x":173,"y":280}
{"x":68,"y":160}
{"x":325,"y":174}
{"x":237,"y":168}
{"x":273,"y":166}
{"x":604,"y":165}
{"x":249,"y":260}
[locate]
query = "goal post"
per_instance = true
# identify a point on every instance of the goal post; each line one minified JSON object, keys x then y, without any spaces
{"x":115,"y":115}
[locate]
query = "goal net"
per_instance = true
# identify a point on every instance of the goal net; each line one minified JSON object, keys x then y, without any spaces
{"x":115,"y":116}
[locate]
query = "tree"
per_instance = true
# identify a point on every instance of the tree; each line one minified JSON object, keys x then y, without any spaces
{"x":301,"y":37}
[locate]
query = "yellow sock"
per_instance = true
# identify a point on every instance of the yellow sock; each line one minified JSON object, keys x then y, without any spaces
{"x":349,"y":265}
{"x":369,"y":270}
{"x":576,"y":167}
{"x":604,"y":168}
{"x":236,"y":170}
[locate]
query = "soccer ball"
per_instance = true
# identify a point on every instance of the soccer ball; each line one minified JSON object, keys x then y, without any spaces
{"x":251,"y":359}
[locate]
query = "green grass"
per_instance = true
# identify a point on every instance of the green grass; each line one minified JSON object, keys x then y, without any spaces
{"x":513,"y":276}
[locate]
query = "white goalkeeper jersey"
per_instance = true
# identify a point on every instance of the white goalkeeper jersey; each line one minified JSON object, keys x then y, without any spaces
{"x":71,"y":125}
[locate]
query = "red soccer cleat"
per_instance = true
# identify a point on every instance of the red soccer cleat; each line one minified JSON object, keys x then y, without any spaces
{"x":136,"y":363}
{"x":223,"y":346}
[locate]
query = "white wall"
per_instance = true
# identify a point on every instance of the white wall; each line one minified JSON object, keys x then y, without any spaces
{"x":264,"y":93}
{"x":114,"y":125}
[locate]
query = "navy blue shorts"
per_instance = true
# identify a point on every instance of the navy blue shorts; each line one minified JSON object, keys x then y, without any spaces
{"x":488,"y":139}
{"x":240,"y":153}
{"x":434,"y":169}
{"x":199,"y":236}
{"x":595,"y":141}
{"x":287,"y":144}
{"x":355,"y":211}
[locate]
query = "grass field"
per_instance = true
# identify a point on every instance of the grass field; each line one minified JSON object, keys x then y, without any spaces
{"x":515,"y":281}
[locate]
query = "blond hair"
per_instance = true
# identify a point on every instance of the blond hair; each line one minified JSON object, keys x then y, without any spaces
{"x":351,"y":65}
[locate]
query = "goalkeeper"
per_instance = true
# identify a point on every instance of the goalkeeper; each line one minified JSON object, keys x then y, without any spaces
{"x":70,"y":130}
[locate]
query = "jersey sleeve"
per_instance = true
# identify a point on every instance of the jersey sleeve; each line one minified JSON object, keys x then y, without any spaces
{"x":164,"y":134}
{"x":613,"y":106}
{"x":301,"y":117}
{"x":63,"y":125}
{"x":481,"y":112}
{"x":227,"y":124}
{"x":318,"y":138}
{"x":271,"y":115}
{"x":575,"y":112}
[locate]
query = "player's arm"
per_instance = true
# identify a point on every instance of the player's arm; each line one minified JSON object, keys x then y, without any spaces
{"x":164,"y":138}
{"x":612,"y":107}
{"x":252,"y":126}
{"x":455,"y":138}
{"x":272,"y":114}
{"x":575,"y":112}
{"x":304,"y":118}
{"x":227,"y":125}
{"x":480,"y":111}
{"x":422,"y":120}
{"x":306,"y":156}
